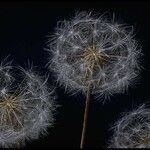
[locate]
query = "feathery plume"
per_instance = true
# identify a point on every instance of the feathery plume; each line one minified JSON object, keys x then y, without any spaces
{"x":26,"y":105}
{"x":132,"y":130}
{"x":92,"y":50}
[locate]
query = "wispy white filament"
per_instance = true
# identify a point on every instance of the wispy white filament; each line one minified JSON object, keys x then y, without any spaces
{"x":89,"y":49}
{"x":26,"y":105}
{"x":132,"y":130}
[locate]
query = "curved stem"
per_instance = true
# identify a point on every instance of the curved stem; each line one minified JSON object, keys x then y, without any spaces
{"x":85,"y":121}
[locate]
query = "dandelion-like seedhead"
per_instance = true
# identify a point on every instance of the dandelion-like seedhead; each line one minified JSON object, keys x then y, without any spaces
{"x":132,"y":130}
{"x":26,"y":105}
{"x":92,"y":50}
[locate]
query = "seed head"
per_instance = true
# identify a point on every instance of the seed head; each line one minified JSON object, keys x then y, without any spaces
{"x":92,"y":50}
{"x":132,"y":130}
{"x":26,"y":105}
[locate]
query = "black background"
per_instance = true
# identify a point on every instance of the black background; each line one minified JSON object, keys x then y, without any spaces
{"x":24,"y":27}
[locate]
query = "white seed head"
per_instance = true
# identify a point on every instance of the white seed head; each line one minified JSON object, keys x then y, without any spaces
{"x":26,"y":106}
{"x":92,"y":50}
{"x":132,"y":130}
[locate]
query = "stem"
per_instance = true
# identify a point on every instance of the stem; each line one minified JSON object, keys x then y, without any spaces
{"x":85,"y":121}
{"x":18,"y":145}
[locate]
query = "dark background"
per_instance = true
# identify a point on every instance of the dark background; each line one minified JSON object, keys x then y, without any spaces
{"x":24,"y":27}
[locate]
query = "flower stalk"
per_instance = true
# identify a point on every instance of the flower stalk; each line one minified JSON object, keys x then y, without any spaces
{"x":86,"y":114}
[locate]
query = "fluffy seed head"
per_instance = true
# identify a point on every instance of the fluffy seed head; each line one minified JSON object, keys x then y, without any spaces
{"x":92,"y":50}
{"x":26,"y":105}
{"x":132,"y":130}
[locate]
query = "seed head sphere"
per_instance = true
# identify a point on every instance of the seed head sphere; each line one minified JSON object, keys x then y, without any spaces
{"x":26,"y":106}
{"x":92,"y":50}
{"x":132,"y":130}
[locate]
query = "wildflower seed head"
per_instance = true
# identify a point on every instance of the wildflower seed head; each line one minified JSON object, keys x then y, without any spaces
{"x":92,"y":50}
{"x":26,"y":106}
{"x":132,"y":130}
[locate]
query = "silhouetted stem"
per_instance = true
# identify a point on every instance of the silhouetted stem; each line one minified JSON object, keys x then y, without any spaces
{"x":18,"y":146}
{"x":85,"y":121}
